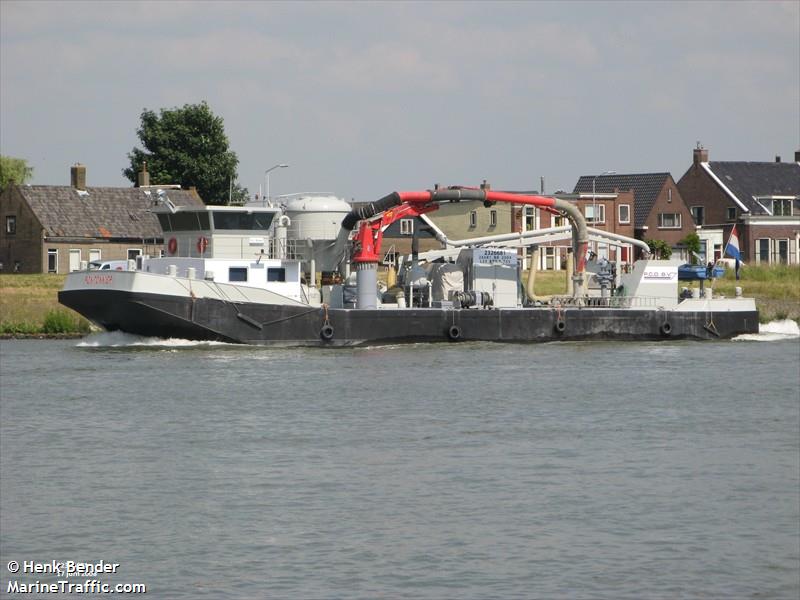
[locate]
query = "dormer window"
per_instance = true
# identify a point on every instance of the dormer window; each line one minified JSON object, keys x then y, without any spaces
{"x":781,"y":207}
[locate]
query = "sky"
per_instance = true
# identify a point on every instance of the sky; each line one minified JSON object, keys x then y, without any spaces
{"x":364,"y":98}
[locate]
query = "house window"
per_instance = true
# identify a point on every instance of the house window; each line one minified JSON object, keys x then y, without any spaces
{"x":624,"y":213}
{"x":669,"y":195}
{"x":780,"y":208}
{"x":699,"y":215}
{"x":530,"y":218}
{"x":276,"y":274}
{"x":731,"y":213}
{"x":11,"y":224}
{"x":669,"y":220}
{"x":601,"y":213}
{"x":473,"y":219}
{"x":237,"y":274}
{"x":492,"y":218}
{"x":94,"y":255}
{"x":133,"y":253}
{"x":762,"y":250}
{"x":52,"y":260}
{"x":406,"y":226}
{"x":560,"y":222}
{"x":781,"y":252}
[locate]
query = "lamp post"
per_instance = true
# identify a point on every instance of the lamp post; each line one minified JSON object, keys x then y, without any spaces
{"x":594,"y":197}
{"x":266,"y":180}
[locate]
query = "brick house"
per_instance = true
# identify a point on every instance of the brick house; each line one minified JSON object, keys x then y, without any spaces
{"x":54,"y":229}
{"x":659,"y":210}
{"x":614,"y":213}
{"x":761,"y":198}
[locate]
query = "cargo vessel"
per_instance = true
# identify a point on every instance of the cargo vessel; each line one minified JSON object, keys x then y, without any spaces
{"x":305,"y":273}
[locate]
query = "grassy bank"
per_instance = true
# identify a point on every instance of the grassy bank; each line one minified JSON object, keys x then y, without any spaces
{"x":29,"y":307}
{"x":29,"y":303}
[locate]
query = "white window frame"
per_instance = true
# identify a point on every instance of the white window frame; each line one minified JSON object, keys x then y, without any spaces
{"x":406,"y":226}
{"x":74,"y":252}
{"x":54,"y":253}
{"x":138,"y":252}
{"x":95,"y":254}
{"x":601,"y":211}
{"x":782,"y":201}
{"x":758,"y":250}
{"x":473,"y":219}
{"x":661,"y":221}
{"x":775,"y":255}
{"x":619,"y":214}
{"x":11,"y":224}
{"x":492,"y":218}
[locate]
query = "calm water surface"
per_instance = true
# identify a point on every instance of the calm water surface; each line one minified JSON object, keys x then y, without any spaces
{"x":591,"y":470}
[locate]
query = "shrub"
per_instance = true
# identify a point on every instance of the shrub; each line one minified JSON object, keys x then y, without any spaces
{"x":59,"y":321}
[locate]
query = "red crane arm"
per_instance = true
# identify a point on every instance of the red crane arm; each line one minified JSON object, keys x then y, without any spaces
{"x":368,"y":239}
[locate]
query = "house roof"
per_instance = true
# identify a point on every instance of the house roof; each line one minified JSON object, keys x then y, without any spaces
{"x":747,"y":181}
{"x":645,"y":187}
{"x":100,"y":212}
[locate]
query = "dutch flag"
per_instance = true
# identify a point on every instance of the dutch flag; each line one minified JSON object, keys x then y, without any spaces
{"x":732,"y":249}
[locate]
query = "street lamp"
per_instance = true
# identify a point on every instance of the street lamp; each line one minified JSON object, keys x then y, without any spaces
{"x":594,"y":198}
{"x":266,"y":180}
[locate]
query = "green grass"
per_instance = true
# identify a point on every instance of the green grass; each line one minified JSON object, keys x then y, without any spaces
{"x":29,"y":306}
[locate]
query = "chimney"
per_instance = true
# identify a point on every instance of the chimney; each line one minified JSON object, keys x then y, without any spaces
{"x":699,"y":154}
{"x":777,"y":158}
{"x":144,"y":176}
{"x":78,"y":176}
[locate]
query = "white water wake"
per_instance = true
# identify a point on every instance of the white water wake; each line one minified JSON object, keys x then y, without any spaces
{"x":772,"y":332}
{"x":118,"y":339}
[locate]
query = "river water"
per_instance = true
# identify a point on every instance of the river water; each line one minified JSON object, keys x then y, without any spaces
{"x":564,"y":470}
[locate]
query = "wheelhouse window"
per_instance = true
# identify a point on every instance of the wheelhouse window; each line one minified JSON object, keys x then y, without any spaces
{"x":599,"y":209}
{"x":184,"y":221}
{"x":244,"y":221}
{"x":237,"y":274}
{"x":782,"y":207}
{"x":11,"y":224}
{"x":52,"y":260}
{"x":624,"y":214}
{"x":473,"y":219}
{"x":276,"y":274}
{"x":669,"y":220}
{"x":699,"y":215}
{"x":406,"y":226}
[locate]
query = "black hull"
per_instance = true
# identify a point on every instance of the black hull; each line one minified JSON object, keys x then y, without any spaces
{"x":206,"y":319}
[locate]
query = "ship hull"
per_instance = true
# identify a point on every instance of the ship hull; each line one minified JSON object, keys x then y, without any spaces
{"x":164,"y":315}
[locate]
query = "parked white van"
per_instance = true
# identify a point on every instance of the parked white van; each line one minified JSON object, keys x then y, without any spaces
{"x":109,"y":265}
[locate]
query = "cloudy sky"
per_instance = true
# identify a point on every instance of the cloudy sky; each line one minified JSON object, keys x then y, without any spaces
{"x":364,"y":98}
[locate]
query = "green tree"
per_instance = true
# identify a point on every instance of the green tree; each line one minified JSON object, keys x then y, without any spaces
{"x":187,"y":146}
{"x":14,"y":170}
{"x":659,"y":248}
{"x":692,"y":243}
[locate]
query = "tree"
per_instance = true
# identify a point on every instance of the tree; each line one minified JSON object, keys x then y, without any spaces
{"x":692,"y":243}
{"x":659,"y":249}
{"x":187,"y":146}
{"x":14,"y":170}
